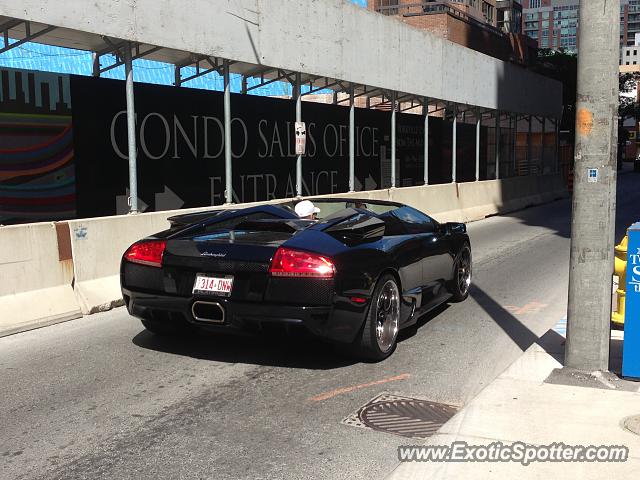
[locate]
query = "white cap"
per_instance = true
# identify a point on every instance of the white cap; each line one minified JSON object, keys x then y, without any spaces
{"x":306,"y":208}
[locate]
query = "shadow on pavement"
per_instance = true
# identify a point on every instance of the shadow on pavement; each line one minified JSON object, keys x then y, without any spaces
{"x":295,"y":351}
{"x":556,"y":218}
{"x":517,"y":331}
{"x":409,"y":332}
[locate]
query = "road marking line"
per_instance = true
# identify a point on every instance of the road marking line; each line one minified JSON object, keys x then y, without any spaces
{"x":339,"y":391}
{"x":531,"y":307}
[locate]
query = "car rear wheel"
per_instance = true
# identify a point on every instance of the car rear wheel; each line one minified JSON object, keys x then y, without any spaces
{"x":380,"y":331}
{"x":460,"y":285}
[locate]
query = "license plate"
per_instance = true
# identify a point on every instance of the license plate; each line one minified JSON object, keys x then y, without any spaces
{"x":214,"y":285}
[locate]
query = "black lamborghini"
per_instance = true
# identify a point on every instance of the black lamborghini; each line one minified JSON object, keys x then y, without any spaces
{"x":356,"y":275}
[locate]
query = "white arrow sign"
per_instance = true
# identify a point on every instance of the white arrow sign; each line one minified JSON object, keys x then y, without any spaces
{"x":168,"y":200}
{"x":369,"y":184}
{"x":122,"y":204}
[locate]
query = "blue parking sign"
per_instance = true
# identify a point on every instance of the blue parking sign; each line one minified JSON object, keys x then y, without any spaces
{"x":631,"y":346}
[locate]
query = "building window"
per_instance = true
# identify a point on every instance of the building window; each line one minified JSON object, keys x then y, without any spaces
{"x":535,"y":3}
{"x":628,"y":53}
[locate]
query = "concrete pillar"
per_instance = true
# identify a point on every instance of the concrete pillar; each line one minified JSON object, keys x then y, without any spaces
{"x":228,"y":169}
{"x":352,"y":144}
{"x":131,"y":130}
{"x":393,"y":140}
{"x":478,"y":128}
{"x":594,"y":188}
{"x":298,"y":99}
{"x":425,"y":112}
{"x":454,"y":145}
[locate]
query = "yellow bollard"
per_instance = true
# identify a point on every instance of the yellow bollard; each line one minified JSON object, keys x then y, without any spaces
{"x":620,"y":269}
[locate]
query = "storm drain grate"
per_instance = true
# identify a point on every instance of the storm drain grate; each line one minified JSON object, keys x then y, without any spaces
{"x":400,"y":415}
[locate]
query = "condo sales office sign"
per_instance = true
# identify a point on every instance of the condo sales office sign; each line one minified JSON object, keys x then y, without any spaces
{"x":631,"y":347}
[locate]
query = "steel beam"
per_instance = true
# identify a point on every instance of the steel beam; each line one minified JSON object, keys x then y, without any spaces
{"x":119,"y":56}
{"x":393,"y":139}
{"x":425,"y":112}
{"x":215,"y":65}
{"x":29,"y":35}
{"x":298,"y":100}
{"x":478,"y":128}
{"x":352,"y":134}
{"x":131,"y":131}
{"x":454,"y":145}
{"x":228,"y":167}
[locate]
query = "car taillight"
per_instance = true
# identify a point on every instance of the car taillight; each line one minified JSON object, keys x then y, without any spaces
{"x":295,"y":263}
{"x":147,"y":252}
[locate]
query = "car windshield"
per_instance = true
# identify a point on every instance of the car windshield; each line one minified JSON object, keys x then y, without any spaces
{"x":329,"y":208}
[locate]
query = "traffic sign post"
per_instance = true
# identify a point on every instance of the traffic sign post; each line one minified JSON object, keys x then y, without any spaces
{"x":301,"y":138}
{"x":631,"y":347}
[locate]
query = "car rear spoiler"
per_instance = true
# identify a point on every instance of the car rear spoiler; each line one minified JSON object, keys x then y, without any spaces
{"x":185,"y":219}
{"x":274,"y":225}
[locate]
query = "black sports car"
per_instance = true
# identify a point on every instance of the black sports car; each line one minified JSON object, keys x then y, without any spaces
{"x":356,"y":276}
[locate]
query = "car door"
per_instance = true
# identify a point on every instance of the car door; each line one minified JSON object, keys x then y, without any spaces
{"x":436,"y":262}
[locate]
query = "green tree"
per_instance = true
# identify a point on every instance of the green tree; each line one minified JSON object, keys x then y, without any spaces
{"x":628,"y":106}
{"x":563,"y":66}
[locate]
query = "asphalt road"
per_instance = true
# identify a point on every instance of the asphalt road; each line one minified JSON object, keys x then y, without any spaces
{"x":99,"y":397}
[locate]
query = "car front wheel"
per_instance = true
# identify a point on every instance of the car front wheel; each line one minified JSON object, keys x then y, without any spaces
{"x":461,"y":282}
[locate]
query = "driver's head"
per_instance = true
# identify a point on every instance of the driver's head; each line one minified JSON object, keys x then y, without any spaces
{"x":307,"y":210}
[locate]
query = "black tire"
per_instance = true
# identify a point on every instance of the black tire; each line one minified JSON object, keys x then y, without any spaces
{"x":460,"y":285}
{"x":166,"y":329}
{"x":380,"y":330}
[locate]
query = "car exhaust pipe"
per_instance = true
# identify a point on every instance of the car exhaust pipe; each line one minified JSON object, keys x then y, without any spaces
{"x":207,"y":312}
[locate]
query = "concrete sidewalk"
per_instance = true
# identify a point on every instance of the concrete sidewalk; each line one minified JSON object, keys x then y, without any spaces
{"x":520,"y":406}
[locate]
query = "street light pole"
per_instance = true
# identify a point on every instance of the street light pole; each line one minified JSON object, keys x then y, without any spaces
{"x":594,"y":188}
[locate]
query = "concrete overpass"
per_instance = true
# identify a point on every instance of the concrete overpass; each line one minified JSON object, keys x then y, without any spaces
{"x":323,"y":44}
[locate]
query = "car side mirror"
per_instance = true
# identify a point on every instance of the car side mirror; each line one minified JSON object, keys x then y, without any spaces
{"x":452,"y":228}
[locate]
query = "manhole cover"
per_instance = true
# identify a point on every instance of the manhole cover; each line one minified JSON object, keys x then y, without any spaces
{"x":399,"y":415}
{"x":632,"y":424}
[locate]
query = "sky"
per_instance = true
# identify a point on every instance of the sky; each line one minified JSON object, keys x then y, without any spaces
{"x":33,"y":56}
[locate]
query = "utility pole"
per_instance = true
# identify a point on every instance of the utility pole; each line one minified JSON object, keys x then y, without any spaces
{"x":594,"y":188}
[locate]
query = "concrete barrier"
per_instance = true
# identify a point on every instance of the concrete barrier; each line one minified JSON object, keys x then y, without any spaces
{"x":98,"y":245}
{"x":36,"y":273}
{"x":467,"y":202}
